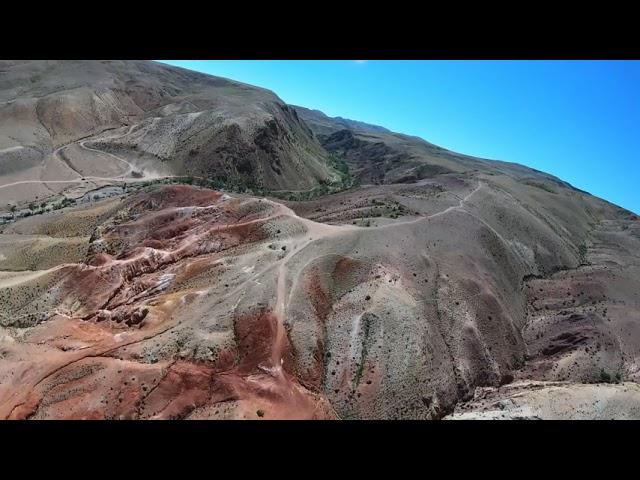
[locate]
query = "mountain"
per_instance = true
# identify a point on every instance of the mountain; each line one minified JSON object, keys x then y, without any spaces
{"x":377,"y":155}
{"x":325,"y":125}
{"x":64,"y":120}
{"x":443,"y":286}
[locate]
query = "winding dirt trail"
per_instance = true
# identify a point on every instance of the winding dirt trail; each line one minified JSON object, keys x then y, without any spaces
{"x":318,"y":231}
{"x":12,"y":278}
{"x":315,"y":232}
{"x":81,"y":178}
{"x":460,"y":205}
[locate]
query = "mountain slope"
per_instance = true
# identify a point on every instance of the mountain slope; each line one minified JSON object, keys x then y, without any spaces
{"x":161,"y":120}
{"x":377,"y":155}
{"x":322,"y":124}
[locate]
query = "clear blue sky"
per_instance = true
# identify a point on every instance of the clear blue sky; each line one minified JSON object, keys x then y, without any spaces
{"x":578,"y":120}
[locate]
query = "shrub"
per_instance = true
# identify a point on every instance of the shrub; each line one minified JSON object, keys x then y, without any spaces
{"x":518,"y":361}
{"x":604,"y":376}
{"x":68,"y":201}
{"x":582,"y":252}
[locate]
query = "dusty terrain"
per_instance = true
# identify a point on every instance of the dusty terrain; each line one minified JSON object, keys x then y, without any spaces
{"x":189,"y":303}
{"x":553,"y":401}
{"x":86,"y":123}
{"x":443,"y":286}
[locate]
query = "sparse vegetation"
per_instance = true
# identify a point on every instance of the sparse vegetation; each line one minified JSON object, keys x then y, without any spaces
{"x":518,"y":361}
{"x":66,"y":202}
{"x":582,"y":253}
{"x":606,"y":377}
{"x":540,"y":185}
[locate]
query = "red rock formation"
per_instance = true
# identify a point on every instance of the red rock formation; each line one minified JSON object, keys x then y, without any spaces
{"x":128,"y":295}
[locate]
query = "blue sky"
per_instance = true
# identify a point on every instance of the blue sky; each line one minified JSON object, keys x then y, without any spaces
{"x":578,"y":120}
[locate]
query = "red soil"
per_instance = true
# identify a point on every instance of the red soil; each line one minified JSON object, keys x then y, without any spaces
{"x":120,"y":298}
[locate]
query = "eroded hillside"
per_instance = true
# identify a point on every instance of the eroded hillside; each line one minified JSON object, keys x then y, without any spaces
{"x":66,"y":125}
{"x":193,"y":303}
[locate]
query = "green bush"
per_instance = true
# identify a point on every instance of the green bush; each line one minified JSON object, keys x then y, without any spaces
{"x":582,"y":252}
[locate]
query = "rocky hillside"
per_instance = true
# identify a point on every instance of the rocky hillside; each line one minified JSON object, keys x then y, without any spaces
{"x":376,"y":155}
{"x":62,"y":121}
